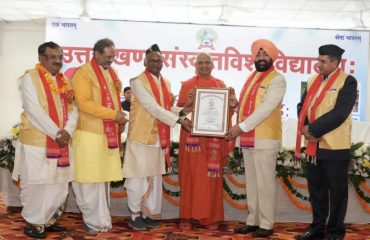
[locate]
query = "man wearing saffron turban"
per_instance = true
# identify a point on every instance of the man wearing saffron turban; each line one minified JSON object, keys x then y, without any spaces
{"x":325,"y":121}
{"x":259,"y":134}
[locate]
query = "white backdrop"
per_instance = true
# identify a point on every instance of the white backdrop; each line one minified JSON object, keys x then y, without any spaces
{"x":228,"y":45}
{"x":19,"y":42}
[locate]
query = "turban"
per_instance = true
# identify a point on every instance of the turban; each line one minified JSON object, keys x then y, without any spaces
{"x":331,"y":50}
{"x":153,"y":48}
{"x":268,"y":46}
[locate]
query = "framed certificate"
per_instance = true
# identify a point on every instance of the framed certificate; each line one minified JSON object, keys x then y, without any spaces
{"x":211,"y":112}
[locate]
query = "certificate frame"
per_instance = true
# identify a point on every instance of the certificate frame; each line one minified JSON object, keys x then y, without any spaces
{"x":210,"y":112}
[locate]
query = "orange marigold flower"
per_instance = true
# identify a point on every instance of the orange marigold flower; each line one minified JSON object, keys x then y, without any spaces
{"x":118,"y":85}
{"x":70,"y":96}
{"x":50,"y":82}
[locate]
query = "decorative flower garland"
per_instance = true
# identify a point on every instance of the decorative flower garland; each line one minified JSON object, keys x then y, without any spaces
{"x":122,"y":194}
{"x":363,"y":203}
{"x":170,"y":193}
{"x":290,"y":191}
{"x":170,"y":181}
{"x":233,"y":203}
{"x":231,"y":178}
{"x":285,"y":170}
{"x":365,"y":186}
{"x":233,"y":196}
{"x":363,"y":199}
{"x":53,"y":86}
{"x":297,"y":184}
{"x":170,"y":199}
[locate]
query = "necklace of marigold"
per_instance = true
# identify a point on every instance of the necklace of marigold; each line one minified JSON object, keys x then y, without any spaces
{"x":53,"y":86}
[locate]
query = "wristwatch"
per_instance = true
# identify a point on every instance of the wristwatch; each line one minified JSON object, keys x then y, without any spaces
{"x":180,"y":119}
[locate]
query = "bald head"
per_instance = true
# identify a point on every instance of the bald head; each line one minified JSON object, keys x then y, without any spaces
{"x":204,"y":56}
{"x":204,"y":65}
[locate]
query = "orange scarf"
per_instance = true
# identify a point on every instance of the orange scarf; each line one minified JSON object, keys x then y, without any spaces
{"x":53,"y":150}
{"x":215,"y":144}
{"x":311,"y":148}
{"x":247,"y":138}
{"x":110,"y":129}
{"x":163,"y":129}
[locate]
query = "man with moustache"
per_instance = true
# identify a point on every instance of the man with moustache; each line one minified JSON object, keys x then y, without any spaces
{"x":97,"y":138}
{"x":325,"y":121}
{"x":148,"y":141}
{"x":201,"y":158}
{"x":43,"y":156}
{"x":259,"y":133}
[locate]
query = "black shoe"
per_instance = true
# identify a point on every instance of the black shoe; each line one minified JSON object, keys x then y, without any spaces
{"x":262,"y":233}
{"x":13,"y":209}
{"x":33,"y":233}
{"x":335,"y":238}
{"x":137,"y":224}
{"x":246,"y":229}
{"x":55,"y":228}
{"x":151,"y":223}
{"x":89,"y":230}
{"x":310,"y":235}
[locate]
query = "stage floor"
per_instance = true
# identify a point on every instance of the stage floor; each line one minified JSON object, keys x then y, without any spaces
{"x":11,"y":227}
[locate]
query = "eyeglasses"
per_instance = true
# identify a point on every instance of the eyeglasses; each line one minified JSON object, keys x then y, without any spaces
{"x":53,"y":57}
{"x":152,"y":61}
{"x":110,"y":58}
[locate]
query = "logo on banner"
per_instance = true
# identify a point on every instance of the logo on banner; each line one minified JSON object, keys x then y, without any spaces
{"x":206,"y":38}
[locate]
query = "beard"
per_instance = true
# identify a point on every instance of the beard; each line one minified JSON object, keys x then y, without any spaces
{"x":263,"y":65}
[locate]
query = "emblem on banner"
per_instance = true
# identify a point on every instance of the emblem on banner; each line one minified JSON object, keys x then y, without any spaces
{"x":206,"y":38}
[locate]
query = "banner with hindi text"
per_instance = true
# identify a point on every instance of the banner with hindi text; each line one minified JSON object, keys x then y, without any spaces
{"x":229,"y":47}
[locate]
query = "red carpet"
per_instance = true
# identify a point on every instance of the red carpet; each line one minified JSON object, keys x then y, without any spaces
{"x":11,"y":227}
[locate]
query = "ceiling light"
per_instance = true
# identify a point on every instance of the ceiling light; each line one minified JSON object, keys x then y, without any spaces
{"x":84,"y":16}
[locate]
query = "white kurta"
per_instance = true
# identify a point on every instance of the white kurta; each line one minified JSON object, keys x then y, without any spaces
{"x":44,"y":186}
{"x":41,"y":170}
{"x":144,"y":164}
{"x":143,"y":160}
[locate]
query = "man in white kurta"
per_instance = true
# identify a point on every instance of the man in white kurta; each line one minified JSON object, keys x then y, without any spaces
{"x":259,"y":133}
{"x":144,"y":161}
{"x":44,"y":184}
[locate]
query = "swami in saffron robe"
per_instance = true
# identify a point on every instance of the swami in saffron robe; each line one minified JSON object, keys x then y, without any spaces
{"x":201,"y":193}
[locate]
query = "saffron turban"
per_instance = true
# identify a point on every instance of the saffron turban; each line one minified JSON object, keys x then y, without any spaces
{"x":268,"y":46}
